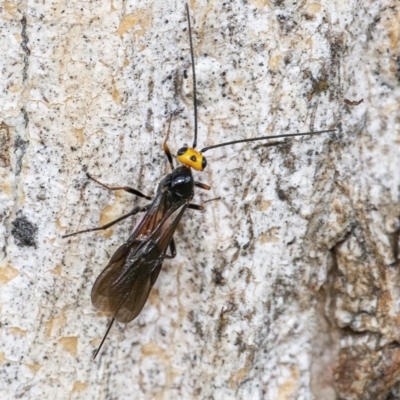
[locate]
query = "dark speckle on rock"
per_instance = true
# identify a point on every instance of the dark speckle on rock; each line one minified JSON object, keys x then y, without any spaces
{"x":281,"y":195}
{"x":24,"y":232}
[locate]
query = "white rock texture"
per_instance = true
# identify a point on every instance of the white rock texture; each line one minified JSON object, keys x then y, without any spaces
{"x":288,"y":286}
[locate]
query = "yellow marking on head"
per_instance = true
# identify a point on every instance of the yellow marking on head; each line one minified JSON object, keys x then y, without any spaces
{"x":191,"y":158}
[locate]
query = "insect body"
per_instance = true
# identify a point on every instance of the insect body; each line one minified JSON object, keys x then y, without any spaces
{"x":124,"y":285}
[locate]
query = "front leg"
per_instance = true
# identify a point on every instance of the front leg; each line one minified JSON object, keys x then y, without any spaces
{"x":125,"y":188}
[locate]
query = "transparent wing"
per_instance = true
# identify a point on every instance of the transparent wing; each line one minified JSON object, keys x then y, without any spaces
{"x":151,"y":219}
{"x":124,"y":285}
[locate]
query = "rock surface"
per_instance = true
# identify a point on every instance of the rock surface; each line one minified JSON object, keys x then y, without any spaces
{"x":288,"y":286}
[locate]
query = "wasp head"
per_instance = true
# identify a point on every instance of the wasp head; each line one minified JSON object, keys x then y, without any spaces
{"x":191,"y":158}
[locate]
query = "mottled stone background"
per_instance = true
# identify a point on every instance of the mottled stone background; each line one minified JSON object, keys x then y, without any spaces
{"x":288,"y":287}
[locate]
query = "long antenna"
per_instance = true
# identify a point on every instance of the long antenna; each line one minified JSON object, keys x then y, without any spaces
{"x":265,"y":138}
{"x":104,"y":338}
{"x":194,"y":78}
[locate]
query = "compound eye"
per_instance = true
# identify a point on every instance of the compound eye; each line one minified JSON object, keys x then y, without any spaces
{"x":182,"y":151}
{"x":203,"y":163}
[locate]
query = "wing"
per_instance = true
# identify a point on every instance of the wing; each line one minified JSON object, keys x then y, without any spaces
{"x":125,"y":283}
{"x":161,"y":205}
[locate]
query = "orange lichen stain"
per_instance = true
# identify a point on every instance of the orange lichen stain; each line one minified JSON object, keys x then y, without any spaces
{"x":34,"y":367}
{"x":126,"y":62}
{"x":110,"y":213}
{"x":96,"y":342}
{"x":236,"y":87}
{"x":17,"y":331}
{"x":239,"y":82}
{"x":79,"y":135}
{"x":238,"y":376}
{"x":49,"y":327}
{"x":287,"y":390}
{"x":15,"y":88}
{"x":151,"y":349}
{"x":18,"y":37}
{"x":275,"y":62}
{"x":141,"y":18}
{"x":2,"y":358}
{"x":70,"y":343}
{"x":260,"y":3}
{"x":55,"y":323}
{"x":115,"y":93}
{"x":337,"y":206}
{"x":269,"y":236}
{"x":393,"y":29}
{"x":56,"y":270}
{"x":7,"y":274}
{"x":313,"y":8}
{"x":79,"y":386}
{"x":5,"y":151}
{"x":5,"y":187}
{"x":154,"y":297}
{"x":10,"y":8}
{"x":263,"y":205}
{"x":22,"y":196}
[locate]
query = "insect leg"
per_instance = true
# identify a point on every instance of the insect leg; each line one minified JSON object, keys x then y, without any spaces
{"x":104,"y":338}
{"x":202,"y":185}
{"x":195,"y":207}
{"x":126,"y":188}
{"x":215,"y":198}
{"x":165,"y":146}
{"x":133,"y":212}
{"x":199,"y":207}
{"x":172,"y":249}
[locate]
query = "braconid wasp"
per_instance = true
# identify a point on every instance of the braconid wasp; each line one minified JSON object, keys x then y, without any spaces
{"x":124,"y":285}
